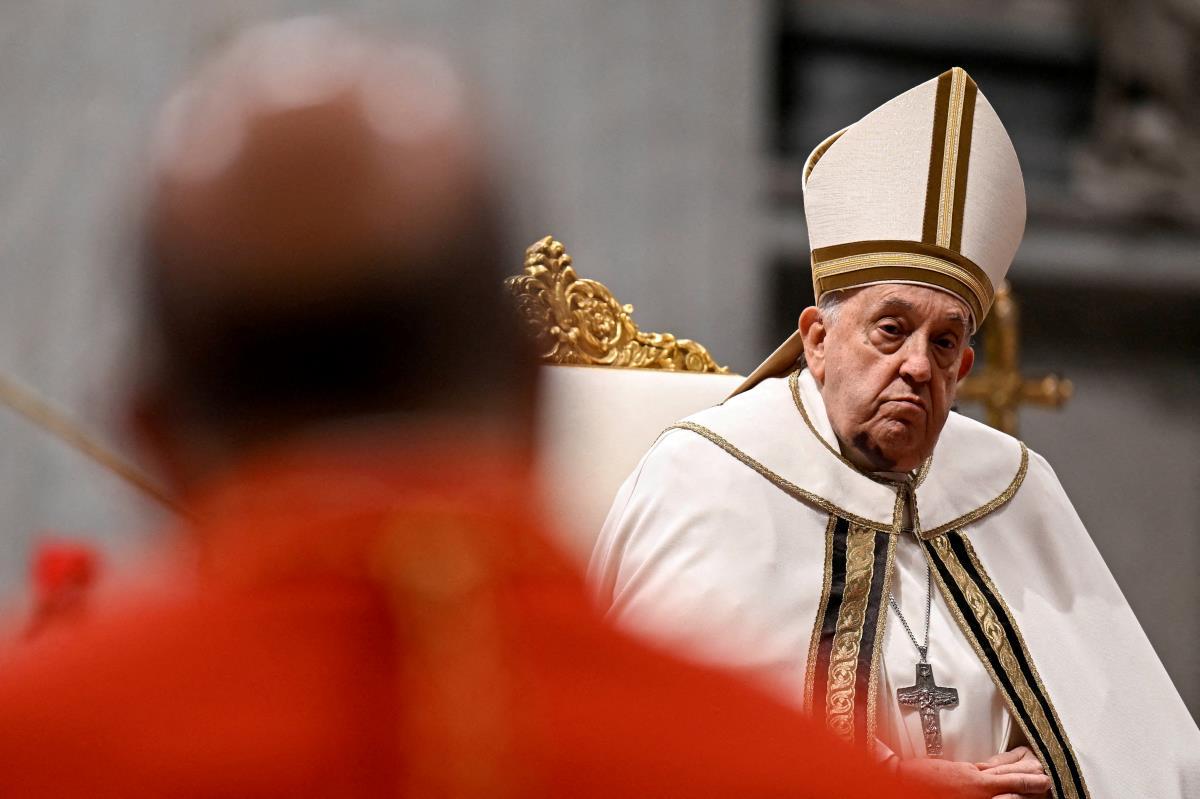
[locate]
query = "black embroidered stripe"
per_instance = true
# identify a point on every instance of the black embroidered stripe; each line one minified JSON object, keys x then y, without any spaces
{"x":993,"y":659}
{"x":837,"y":588}
{"x":875,"y":605}
{"x":958,"y":546}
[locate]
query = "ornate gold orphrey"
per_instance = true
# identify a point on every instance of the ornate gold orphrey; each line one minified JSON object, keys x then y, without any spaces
{"x":1000,"y":386}
{"x":574,"y":320}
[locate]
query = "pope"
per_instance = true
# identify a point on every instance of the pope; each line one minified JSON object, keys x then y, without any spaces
{"x":367,"y":603}
{"x":917,"y":581}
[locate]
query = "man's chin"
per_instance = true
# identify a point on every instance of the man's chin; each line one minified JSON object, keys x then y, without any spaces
{"x":900,"y":448}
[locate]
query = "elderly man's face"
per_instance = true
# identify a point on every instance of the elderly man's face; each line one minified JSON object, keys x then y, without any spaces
{"x":888,"y":364}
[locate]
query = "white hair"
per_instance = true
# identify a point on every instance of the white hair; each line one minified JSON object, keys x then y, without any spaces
{"x":829,"y":305}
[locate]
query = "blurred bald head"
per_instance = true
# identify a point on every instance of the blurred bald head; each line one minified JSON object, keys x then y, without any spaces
{"x":322,"y":240}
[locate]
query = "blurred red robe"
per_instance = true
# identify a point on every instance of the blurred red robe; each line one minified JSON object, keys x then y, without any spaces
{"x":361,"y":624}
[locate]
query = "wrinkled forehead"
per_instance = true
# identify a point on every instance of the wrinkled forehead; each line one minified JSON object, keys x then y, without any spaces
{"x":919,"y":302}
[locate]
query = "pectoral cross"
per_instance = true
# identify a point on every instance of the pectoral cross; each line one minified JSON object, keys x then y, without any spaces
{"x":930,"y":698}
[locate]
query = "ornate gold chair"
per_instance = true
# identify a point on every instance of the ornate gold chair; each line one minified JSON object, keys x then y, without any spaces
{"x":608,"y":389}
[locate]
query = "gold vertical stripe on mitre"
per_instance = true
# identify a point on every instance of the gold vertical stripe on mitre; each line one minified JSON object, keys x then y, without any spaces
{"x":937,"y":145}
{"x":949,"y":159}
{"x":959,"y":198}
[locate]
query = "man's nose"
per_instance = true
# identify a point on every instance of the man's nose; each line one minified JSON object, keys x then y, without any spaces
{"x":915,"y":366}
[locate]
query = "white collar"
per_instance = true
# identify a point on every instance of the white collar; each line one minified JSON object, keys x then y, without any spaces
{"x":974,"y":469}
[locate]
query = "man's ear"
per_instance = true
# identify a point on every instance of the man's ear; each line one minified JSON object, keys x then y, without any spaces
{"x":968,"y":360}
{"x":813,"y":331}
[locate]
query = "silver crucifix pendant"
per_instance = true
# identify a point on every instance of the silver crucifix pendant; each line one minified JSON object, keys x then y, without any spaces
{"x":930,"y":699}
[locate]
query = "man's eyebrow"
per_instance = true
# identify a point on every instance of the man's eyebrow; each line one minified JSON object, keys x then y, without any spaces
{"x":894,"y":302}
{"x":955,"y":316}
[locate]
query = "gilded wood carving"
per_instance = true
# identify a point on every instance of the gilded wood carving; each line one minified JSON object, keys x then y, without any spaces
{"x":999,"y":385}
{"x":574,"y":320}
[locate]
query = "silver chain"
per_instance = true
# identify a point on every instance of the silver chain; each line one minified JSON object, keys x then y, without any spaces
{"x":923,"y":650}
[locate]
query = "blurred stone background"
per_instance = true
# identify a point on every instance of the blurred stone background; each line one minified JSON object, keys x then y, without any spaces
{"x":661,"y":142}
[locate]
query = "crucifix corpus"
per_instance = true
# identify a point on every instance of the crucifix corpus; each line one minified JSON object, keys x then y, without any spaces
{"x":1000,"y":386}
{"x":929,"y":698}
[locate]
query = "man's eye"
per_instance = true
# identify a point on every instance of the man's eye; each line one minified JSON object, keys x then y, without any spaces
{"x":947,"y":343}
{"x":891,"y":328}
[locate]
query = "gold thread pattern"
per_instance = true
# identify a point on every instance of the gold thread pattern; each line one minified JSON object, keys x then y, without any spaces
{"x":840,"y":266}
{"x":880,"y":628}
{"x":819,"y":152}
{"x":780,"y":481}
{"x":798,"y":400}
{"x":979,"y":293}
{"x":810,"y":669}
{"x":829,"y":507}
{"x":987,"y":581}
{"x":958,"y":80}
{"x":999,"y":643}
{"x":940,"y":543}
{"x":937,"y":141}
{"x":853,"y":263}
{"x":847,"y":636}
{"x":983,"y":510}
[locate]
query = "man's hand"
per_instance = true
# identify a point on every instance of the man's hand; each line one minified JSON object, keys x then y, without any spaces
{"x":1021,"y":760}
{"x":1011,"y":775}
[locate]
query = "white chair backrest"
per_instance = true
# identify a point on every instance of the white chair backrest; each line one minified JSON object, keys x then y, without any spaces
{"x":595,"y":425}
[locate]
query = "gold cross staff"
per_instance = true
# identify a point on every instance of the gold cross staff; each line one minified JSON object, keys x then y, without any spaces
{"x":1000,"y":386}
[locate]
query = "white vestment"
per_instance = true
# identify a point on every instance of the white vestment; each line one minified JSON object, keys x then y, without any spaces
{"x":744,"y":539}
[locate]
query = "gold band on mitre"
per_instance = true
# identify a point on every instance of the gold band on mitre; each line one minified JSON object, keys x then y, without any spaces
{"x":862,"y":263}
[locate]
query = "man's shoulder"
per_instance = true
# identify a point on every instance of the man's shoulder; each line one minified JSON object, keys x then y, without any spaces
{"x":966,"y":434}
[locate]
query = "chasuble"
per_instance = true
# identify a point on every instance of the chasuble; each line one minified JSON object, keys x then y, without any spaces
{"x":745,"y":539}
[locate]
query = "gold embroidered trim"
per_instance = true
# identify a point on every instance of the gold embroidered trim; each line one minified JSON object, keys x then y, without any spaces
{"x":937,"y":143}
{"x":979,"y":294}
{"x":897,"y":513}
{"x":880,"y":629}
{"x":798,"y":400}
{"x":999,"y":642}
{"x":781,"y":482}
{"x":847,"y":636}
{"x":898,"y":516}
{"x":983,"y":658}
{"x":983,"y":510}
{"x":818,"y":152}
{"x":954,"y":118}
{"x":856,"y":263}
{"x":814,"y":644}
{"x":962,"y":173}
{"x":923,"y":472}
{"x":987,"y":581}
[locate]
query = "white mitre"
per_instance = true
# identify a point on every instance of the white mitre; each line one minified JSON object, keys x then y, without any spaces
{"x":926,"y":189}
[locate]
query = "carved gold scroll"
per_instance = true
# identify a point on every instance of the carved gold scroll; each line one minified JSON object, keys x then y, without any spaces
{"x":574,"y":320}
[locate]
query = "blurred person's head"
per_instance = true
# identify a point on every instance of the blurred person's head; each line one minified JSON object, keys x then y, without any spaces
{"x":322,"y":249}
